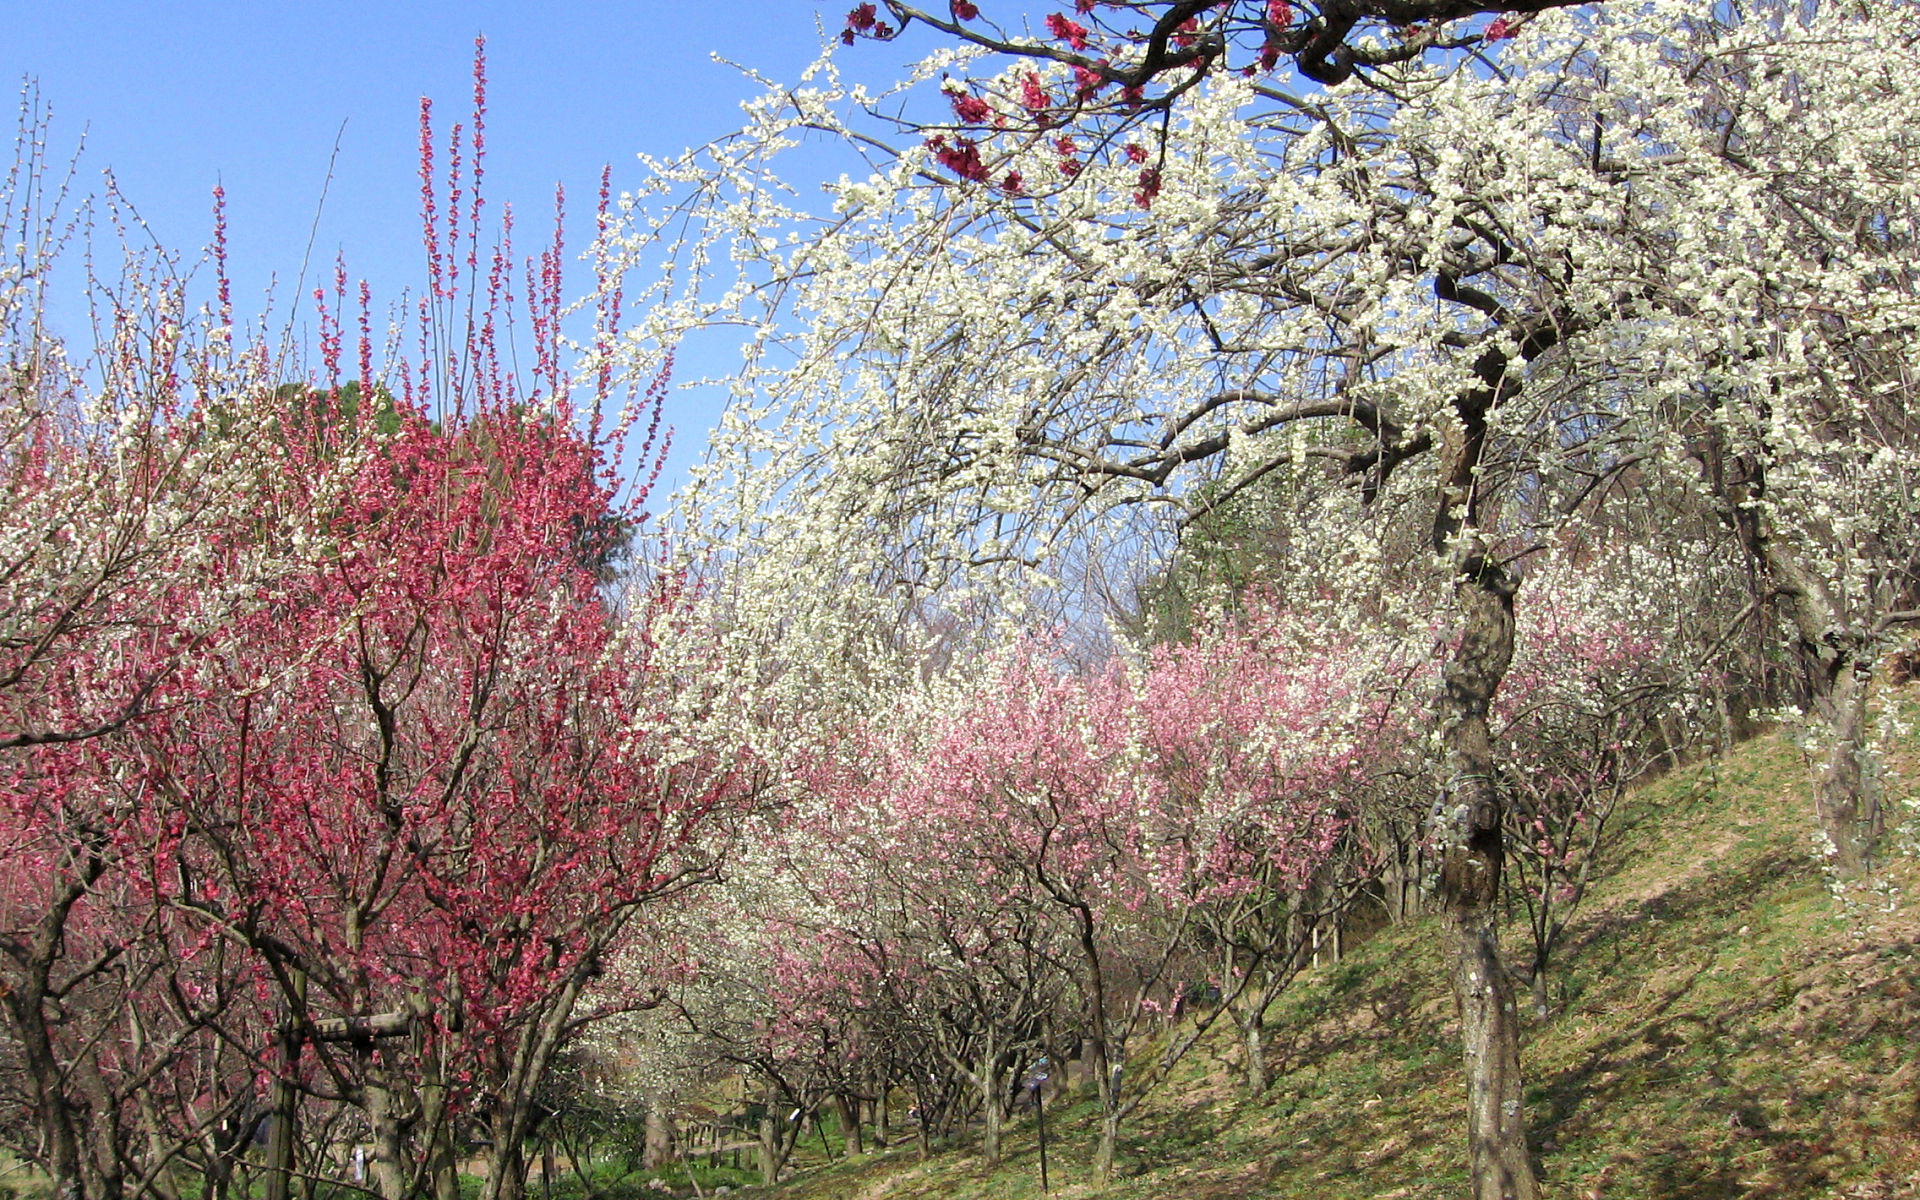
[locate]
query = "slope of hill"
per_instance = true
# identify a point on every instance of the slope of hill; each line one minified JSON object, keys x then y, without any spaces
{"x":1728,"y":1022}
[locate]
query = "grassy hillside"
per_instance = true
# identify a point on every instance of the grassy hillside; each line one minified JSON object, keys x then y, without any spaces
{"x":1726,"y":1025}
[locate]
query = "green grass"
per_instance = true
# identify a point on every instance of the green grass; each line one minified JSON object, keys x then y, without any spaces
{"x":1730,"y":1027}
{"x":18,"y":1181}
{"x":612,"y":1183}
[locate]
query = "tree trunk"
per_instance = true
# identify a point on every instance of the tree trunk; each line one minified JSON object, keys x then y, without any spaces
{"x":514,"y":1112}
{"x":769,"y":1146}
{"x":158,"y":1147}
{"x":285,"y":1101}
{"x":506,"y":1159}
{"x":990,"y":1134}
{"x":1106,"y":1072}
{"x":1496,"y":1117}
{"x":1253,"y":1038}
{"x":27,"y":993}
{"x":1537,"y":989}
{"x":1836,"y":665}
{"x":1846,"y":799}
{"x":105,"y":1165}
{"x":849,"y":1113}
{"x":444,"y":1164}
{"x":988,"y":1080}
{"x":1468,"y":823}
{"x":658,"y":1149}
{"x":882,"y":1125}
{"x":446,"y":1168}
{"x":1109,"y":1142}
{"x":922,"y":1137}
{"x":1400,"y":885}
{"x":388,"y":1166}
{"x":59,"y":1124}
{"x":1836,"y":656}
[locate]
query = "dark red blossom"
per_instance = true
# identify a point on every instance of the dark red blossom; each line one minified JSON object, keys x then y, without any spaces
{"x":1033,"y":95}
{"x":965,"y":10}
{"x":962,"y":157}
{"x":1279,"y":16}
{"x":969,"y":108}
{"x":1136,"y":153}
{"x":1068,"y":30}
{"x":1149,"y":189}
{"x":1013,"y":184}
{"x":865,"y":20}
{"x":1502,"y":27}
{"x":1069,"y":152}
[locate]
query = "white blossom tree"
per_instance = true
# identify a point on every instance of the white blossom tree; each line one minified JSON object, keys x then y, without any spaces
{"x":1464,"y":303}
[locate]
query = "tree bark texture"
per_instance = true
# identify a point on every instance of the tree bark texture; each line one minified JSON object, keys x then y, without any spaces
{"x":388,"y":1164}
{"x":1253,"y":1037}
{"x":28,"y":992}
{"x":991,"y":1085}
{"x":772,"y":1140}
{"x":658,"y":1149}
{"x":1846,"y":798}
{"x":848,"y":1110}
{"x":286,"y":1097}
{"x":1468,"y":822}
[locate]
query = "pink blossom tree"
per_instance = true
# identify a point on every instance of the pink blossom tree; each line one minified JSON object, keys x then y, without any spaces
{"x":1094,"y":817}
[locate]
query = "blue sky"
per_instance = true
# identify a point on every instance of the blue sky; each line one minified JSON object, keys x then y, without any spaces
{"x":174,"y":97}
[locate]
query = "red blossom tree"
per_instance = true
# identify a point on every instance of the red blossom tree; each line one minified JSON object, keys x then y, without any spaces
{"x":434,"y":780}
{"x":351,"y":763}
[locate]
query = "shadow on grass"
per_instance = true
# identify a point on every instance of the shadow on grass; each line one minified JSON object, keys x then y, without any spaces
{"x":1661,"y":1098}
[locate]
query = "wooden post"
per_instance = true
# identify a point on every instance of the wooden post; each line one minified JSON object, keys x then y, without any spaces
{"x":1040,"y":1115}
{"x":285,"y":1095}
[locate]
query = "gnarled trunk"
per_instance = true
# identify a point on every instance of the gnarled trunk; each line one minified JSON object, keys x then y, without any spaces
{"x":849,"y":1112}
{"x":1846,"y":798}
{"x":1837,"y":651}
{"x":1468,"y":822}
{"x":1103,"y":1153}
{"x":1837,"y":657}
{"x":60,"y":1124}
